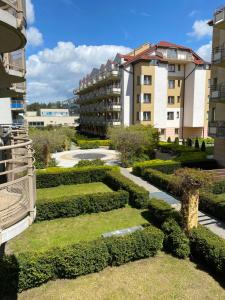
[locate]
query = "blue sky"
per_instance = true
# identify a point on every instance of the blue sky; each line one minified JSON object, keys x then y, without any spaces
{"x":54,"y":68}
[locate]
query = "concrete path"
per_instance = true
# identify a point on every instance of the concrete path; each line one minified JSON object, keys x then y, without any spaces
{"x":211,"y":223}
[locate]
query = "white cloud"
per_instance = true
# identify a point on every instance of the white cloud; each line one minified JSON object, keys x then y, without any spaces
{"x":205,"y":51}
{"x":53,"y":74}
{"x":30,"y":12}
{"x":193,"y":13}
{"x":34,"y":37}
{"x":201,"y":29}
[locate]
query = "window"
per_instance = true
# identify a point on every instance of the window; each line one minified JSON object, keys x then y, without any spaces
{"x":171,"y":84}
{"x":171,"y":100}
{"x":138,"y":98}
{"x":162,"y":132}
{"x":146,"y":116}
{"x":147,"y":80}
{"x":178,"y":99}
{"x":170,"y":115}
{"x":138,"y":80}
{"x":178,"y":83}
{"x":176,"y":130}
{"x":138,"y":116}
{"x":178,"y":114}
{"x":179,"y":68}
{"x":213,"y":114}
{"x":171,"y":68}
{"x":147,"y":98}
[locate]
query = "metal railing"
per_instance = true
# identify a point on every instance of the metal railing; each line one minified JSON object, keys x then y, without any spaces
{"x":17,"y":177}
{"x":218,"y":54}
{"x":217,"y":129}
{"x":17,"y":8}
{"x":217,"y":92}
{"x":15,"y":61}
{"x":219,"y":14}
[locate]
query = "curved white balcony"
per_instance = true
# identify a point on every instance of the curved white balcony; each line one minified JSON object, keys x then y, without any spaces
{"x":12,"y":25}
{"x":18,"y":188}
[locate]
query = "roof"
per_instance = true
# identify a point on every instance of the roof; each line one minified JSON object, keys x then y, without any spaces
{"x":165,"y":44}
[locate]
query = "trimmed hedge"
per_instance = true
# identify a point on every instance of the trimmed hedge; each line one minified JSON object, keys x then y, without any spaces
{"x":175,"y":241}
{"x":219,"y":187}
{"x":212,"y":204}
{"x":52,"y":177}
{"x":165,"y":166}
{"x":209,"y":249}
{"x":30,"y":270}
{"x":174,"y":148}
{"x":138,"y":196}
{"x":93,"y":144}
{"x":72,"y":206}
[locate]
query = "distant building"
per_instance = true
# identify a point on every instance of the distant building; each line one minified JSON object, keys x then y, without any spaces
{"x":54,"y":117}
{"x":164,"y":85}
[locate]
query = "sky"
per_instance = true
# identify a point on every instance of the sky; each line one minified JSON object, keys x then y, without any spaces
{"x":67,"y":38}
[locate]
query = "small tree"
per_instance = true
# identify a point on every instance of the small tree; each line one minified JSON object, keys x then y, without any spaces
{"x":197,"y":144}
{"x":169,"y":140}
{"x":203,"y":147}
{"x":189,"y":142}
{"x":189,"y":182}
{"x":183,"y":142}
{"x":176,"y":141}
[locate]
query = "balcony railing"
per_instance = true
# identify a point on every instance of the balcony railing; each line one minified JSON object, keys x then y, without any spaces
{"x":217,"y":129}
{"x":217,"y":93}
{"x":218,"y":56}
{"x":17,"y":8}
{"x":18,"y":183}
{"x":15,"y":61}
{"x":219,"y":17}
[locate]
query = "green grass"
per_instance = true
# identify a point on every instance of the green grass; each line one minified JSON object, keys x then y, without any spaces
{"x":76,"y":189}
{"x":61,"y":232}
{"x":159,"y":278}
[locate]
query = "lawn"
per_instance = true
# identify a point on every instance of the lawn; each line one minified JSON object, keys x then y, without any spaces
{"x":44,"y":235}
{"x":76,"y":189}
{"x":162,"y":277}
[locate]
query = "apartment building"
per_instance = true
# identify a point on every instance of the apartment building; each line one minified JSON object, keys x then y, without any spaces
{"x":53,"y":117}
{"x":17,"y":177}
{"x":217,"y":96}
{"x":164,"y":85}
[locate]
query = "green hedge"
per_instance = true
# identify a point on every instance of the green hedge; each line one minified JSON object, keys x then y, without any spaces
{"x":93,"y":144}
{"x":30,"y":270}
{"x":52,"y":177}
{"x":209,"y":249}
{"x":72,"y":206}
{"x":138,"y":196}
{"x":219,"y":187}
{"x":212,"y":204}
{"x":165,"y":166}
{"x":174,"y":148}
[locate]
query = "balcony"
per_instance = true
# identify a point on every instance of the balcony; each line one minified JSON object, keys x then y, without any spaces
{"x":217,"y":129}
{"x":12,"y":25}
{"x":218,"y":56}
{"x":219,"y":18}
{"x":17,"y":90}
{"x":17,"y":105}
{"x":218,"y":93}
{"x":18,"y":183}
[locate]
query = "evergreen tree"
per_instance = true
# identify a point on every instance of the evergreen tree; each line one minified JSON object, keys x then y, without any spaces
{"x":169,"y":140}
{"x":197,"y":144}
{"x":203,"y":147}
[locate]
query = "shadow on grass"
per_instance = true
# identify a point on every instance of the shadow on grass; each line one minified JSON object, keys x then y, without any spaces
{"x":9,"y":278}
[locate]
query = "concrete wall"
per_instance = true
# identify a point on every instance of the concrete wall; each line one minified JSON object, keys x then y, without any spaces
{"x":5,"y":111}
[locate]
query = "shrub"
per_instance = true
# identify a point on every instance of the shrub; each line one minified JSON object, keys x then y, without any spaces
{"x":165,"y":166}
{"x":203,"y":147}
{"x":169,"y":140}
{"x":176,"y":141}
{"x":138,"y":196}
{"x":159,"y":211}
{"x":93,"y":143}
{"x":52,"y":177}
{"x":88,"y":163}
{"x":72,"y":206}
{"x":197,"y":144}
{"x":189,"y":142}
{"x":30,"y":270}
{"x":219,"y":187}
{"x":140,"y":244}
{"x":209,"y":249}
{"x":175,"y":240}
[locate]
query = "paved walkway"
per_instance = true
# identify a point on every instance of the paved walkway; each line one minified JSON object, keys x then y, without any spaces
{"x":211,"y":223}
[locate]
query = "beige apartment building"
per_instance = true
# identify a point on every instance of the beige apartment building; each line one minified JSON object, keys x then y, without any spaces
{"x":164,"y":85}
{"x":17,"y":174}
{"x":217,"y":96}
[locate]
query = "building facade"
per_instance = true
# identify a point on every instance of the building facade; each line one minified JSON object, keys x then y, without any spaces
{"x":17,"y":175}
{"x":164,"y":85}
{"x":217,"y":96}
{"x":53,"y":117}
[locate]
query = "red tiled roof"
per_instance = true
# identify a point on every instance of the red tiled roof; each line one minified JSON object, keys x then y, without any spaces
{"x":171,"y":45}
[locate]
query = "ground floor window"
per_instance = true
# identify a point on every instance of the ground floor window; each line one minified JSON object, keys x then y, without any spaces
{"x":170,"y":115}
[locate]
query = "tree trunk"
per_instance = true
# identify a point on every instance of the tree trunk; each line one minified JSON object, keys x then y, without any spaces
{"x":189,"y":209}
